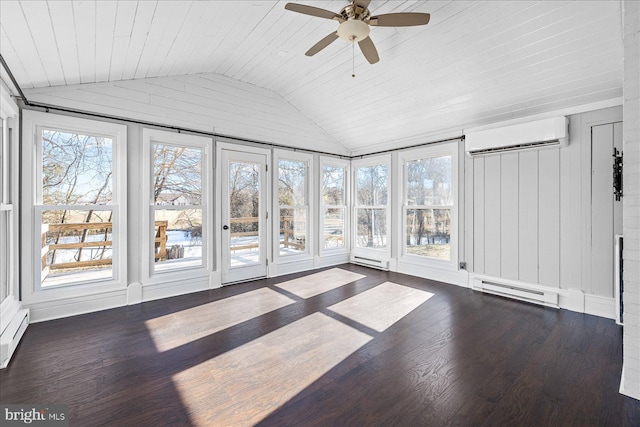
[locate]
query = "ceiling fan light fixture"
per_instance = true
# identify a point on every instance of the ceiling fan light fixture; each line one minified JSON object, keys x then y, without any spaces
{"x":353,"y":30}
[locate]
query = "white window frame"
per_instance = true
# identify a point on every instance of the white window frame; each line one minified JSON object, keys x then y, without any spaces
{"x":310,"y":242}
{"x":375,"y":253}
{"x":437,"y":150}
{"x":32,"y":205}
{"x":9,"y":114}
{"x":150,"y":137}
{"x":346,"y":234}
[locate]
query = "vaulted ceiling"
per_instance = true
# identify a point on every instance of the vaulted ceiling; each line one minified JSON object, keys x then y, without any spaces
{"x":476,"y":62}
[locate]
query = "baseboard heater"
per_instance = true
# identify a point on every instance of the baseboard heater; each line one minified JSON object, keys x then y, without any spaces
{"x":542,"y":297}
{"x":11,"y":336}
{"x":370,"y":262}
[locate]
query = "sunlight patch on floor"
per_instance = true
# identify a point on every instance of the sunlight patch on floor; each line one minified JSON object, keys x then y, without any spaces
{"x":318,"y":283}
{"x":178,"y":328}
{"x":382,"y":306}
{"x":246,"y":384}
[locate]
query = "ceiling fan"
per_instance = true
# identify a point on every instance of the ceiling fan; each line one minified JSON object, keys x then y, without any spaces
{"x":355,"y":20}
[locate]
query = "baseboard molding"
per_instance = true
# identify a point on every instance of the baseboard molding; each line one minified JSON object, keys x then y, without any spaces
{"x":600,"y":306}
{"x":627,"y":391}
{"x":156,"y":291}
{"x":283,"y":268}
{"x":73,"y":306}
{"x":452,"y":277}
{"x":330,"y":260}
{"x":134,"y":293}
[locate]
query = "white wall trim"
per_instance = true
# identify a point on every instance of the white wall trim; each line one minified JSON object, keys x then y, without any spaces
{"x":328,"y":259}
{"x":134,"y":293}
{"x":65,"y":307}
{"x":156,"y":291}
{"x":444,"y":275}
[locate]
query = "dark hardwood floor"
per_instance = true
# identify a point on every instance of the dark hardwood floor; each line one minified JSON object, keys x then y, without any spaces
{"x":461,"y":358}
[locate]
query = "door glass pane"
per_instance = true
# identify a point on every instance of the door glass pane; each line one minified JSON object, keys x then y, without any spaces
{"x":429,"y":182}
{"x":293,"y":230}
{"x":371,"y":228}
{"x":77,"y":246}
{"x":429,"y":232}
{"x":244,"y":213}
{"x":334,"y":228}
{"x":371,"y":182}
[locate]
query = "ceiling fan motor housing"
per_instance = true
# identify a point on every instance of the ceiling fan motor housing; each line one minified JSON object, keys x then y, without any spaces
{"x":353,"y":30}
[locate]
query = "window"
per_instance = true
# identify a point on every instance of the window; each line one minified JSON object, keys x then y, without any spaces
{"x":7,"y":254}
{"x":77,"y":206}
{"x":334,"y":174}
{"x":178,"y":200}
{"x":293,"y":204}
{"x":429,"y":208}
{"x":371,"y":204}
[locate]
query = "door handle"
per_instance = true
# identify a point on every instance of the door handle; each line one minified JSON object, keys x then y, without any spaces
{"x":225,"y":227}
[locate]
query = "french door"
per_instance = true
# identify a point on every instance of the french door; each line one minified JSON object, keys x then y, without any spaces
{"x":243,"y":216}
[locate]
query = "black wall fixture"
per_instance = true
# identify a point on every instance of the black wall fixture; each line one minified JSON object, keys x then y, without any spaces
{"x":617,"y":174}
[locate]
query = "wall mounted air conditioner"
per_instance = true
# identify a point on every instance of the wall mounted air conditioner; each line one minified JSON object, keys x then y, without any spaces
{"x":553,"y":132}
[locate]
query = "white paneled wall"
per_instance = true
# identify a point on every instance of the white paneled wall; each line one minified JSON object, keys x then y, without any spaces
{"x":209,"y":103}
{"x":535,"y":212}
{"x":630,"y":384}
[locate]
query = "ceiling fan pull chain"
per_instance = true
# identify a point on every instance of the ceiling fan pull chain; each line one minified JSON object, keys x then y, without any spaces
{"x":353,"y":59}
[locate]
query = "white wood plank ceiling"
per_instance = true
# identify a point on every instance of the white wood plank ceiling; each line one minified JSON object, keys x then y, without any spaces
{"x":476,"y":62}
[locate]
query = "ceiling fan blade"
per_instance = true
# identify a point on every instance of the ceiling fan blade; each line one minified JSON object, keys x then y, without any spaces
{"x":362,"y":3}
{"x":407,"y":19}
{"x":313,"y":11}
{"x":369,"y":50}
{"x":322,"y":44}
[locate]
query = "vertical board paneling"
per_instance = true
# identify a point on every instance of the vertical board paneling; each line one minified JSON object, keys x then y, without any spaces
{"x":492,"y":216}
{"x":572,"y":251}
{"x":478,"y":215}
{"x":528,"y":217}
{"x":601,"y":211}
{"x":509,"y":216}
{"x":466,"y":251}
{"x":549,"y":217}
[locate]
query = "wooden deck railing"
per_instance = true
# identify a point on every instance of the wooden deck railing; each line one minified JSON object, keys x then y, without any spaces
{"x":289,"y":239}
{"x":160,"y":243}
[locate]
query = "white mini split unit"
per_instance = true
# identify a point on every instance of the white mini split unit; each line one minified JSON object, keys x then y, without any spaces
{"x":553,"y":132}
